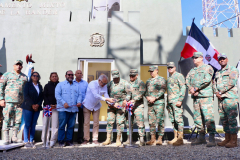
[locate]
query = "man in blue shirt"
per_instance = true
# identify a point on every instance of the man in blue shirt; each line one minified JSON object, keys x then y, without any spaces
{"x":69,"y":98}
{"x":83,"y":88}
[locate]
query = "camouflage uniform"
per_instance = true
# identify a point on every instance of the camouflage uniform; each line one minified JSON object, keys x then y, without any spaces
{"x":156,"y":87}
{"x":120,"y":92}
{"x":176,"y":89}
{"x":11,"y":90}
{"x":138,"y":91}
{"x":225,"y":83}
{"x":201,"y":77}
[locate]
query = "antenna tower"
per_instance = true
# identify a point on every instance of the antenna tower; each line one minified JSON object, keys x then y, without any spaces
{"x":220,"y":13}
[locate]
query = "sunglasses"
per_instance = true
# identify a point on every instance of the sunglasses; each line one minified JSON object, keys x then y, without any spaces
{"x":194,"y":57}
{"x":170,"y":68}
{"x":102,"y":82}
{"x":36,"y":76}
{"x":132,"y":76}
{"x":70,"y":74}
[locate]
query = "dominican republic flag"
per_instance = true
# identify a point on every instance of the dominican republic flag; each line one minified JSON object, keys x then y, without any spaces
{"x":198,"y":42}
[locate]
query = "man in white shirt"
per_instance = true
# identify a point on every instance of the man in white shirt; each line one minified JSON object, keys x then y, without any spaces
{"x":92,"y":105}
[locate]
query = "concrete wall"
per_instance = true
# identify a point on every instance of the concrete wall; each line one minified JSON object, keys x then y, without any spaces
{"x":143,"y":32}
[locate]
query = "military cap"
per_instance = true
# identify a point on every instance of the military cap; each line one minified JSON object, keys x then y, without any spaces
{"x":197,"y":54}
{"x":152,"y":68}
{"x":133,"y":72}
{"x":223,"y":55}
{"x":115,"y":73}
{"x":18,"y":61}
{"x":170,"y":64}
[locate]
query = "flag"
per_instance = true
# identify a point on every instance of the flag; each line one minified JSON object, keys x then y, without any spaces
{"x":238,"y":67}
{"x":198,"y":42}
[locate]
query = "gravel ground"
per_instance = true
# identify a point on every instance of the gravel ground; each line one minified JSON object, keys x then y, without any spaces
{"x":111,"y":152}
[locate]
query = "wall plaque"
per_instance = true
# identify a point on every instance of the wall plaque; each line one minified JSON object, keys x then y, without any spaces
{"x":96,"y":40}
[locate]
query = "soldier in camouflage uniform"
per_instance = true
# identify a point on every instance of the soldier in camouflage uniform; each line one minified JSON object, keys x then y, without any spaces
{"x":199,"y":83}
{"x":176,"y":89}
{"x":155,"y":89}
{"x":225,"y":88}
{"x":138,"y":91}
{"x":120,"y":90}
{"x":11,"y":96}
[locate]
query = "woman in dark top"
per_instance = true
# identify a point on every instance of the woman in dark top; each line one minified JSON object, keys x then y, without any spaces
{"x":49,"y":99}
{"x":32,"y":105}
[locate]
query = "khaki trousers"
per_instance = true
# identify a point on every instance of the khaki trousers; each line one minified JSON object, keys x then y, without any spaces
{"x":87,"y":114}
{"x":54,"y":134}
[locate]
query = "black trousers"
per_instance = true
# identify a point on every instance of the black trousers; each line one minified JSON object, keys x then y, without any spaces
{"x":80,"y":124}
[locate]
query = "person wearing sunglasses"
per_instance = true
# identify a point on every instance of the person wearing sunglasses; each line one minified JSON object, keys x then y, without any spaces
{"x":199,"y":83}
{"x":225,"y":88}
{"x":120,"y":90}
{"x":32,"y":105}
{"x":176,"y":89}
{"x":138,"y":91}
{"x":11,"y":98}
{"x":49,"y":99}
{"x":69,"y":98}
{"x":155,"y":89}
{"x":96,"y":92}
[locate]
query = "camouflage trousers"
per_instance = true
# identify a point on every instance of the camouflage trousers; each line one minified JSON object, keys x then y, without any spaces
{"x":204,"y":114}
{"x":1,"y":117}
{"x":176,"y":116}
{"x":12,"y":111}
{"x":119,"y":115}
{"x":156,"y":117}
{"x":228,"y":111}
{"x":137,"y":117}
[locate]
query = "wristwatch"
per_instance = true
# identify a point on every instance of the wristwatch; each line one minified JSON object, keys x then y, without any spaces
{"x":195,"y":90}
{"x":219,"y":93}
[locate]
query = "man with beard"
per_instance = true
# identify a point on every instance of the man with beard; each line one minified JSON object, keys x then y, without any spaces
{"x":69,"y":98}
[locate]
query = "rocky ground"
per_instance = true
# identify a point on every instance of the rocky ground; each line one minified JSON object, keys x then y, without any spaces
{"x":111,"y":152}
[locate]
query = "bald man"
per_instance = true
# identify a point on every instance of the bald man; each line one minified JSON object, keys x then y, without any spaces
{"x":83,"y":88}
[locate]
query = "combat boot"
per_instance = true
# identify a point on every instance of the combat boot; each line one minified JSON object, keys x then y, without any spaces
{"x":152,"y":141}
{"x":200,"y":140}
{"x":175,"y":138}
{"x":233,"y":142}
{"x":142,"y":142}
{"x":14,"y":137}
{"x":108,"y":140}
{"x":6,"y":137}
{"x":118,"y":141}
{"x":179,"y":139}
{"x":226,"y":140}
{"x":211,"y":142}
{"x":159,"y":141}
{"x":128,"y":141}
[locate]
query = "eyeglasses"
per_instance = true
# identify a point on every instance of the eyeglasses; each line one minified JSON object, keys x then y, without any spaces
{"x":36,"y":76}
{"x":70,"y":74}
{"x":194,"y":57}
{"x":132,"y":76}
{"x":102,"y":82}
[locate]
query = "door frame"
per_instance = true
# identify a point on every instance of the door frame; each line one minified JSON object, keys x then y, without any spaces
{"x":93,"y":60}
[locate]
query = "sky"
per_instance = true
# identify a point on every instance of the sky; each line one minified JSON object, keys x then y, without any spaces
{"x":191,"y":9}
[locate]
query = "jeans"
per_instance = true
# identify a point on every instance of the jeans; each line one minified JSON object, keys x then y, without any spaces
{"x":30,"y":118}
{"x":66,"y":118}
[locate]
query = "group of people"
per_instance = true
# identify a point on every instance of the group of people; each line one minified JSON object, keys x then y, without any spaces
{"x":18,"y":97}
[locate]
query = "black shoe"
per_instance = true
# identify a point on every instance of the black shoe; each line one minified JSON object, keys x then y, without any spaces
{"x":69,"y":143}
{"x":80,"y":141}
{"x":61,"y":144}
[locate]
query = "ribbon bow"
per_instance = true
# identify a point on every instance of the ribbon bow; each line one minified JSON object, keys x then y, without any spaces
{"x":47,"y":111}
{"x":129,"y":107}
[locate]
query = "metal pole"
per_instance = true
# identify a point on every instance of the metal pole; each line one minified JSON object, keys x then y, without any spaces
{"x":130,"y":132}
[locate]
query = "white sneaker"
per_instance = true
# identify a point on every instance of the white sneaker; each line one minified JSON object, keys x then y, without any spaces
{"x":52,"y":143}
